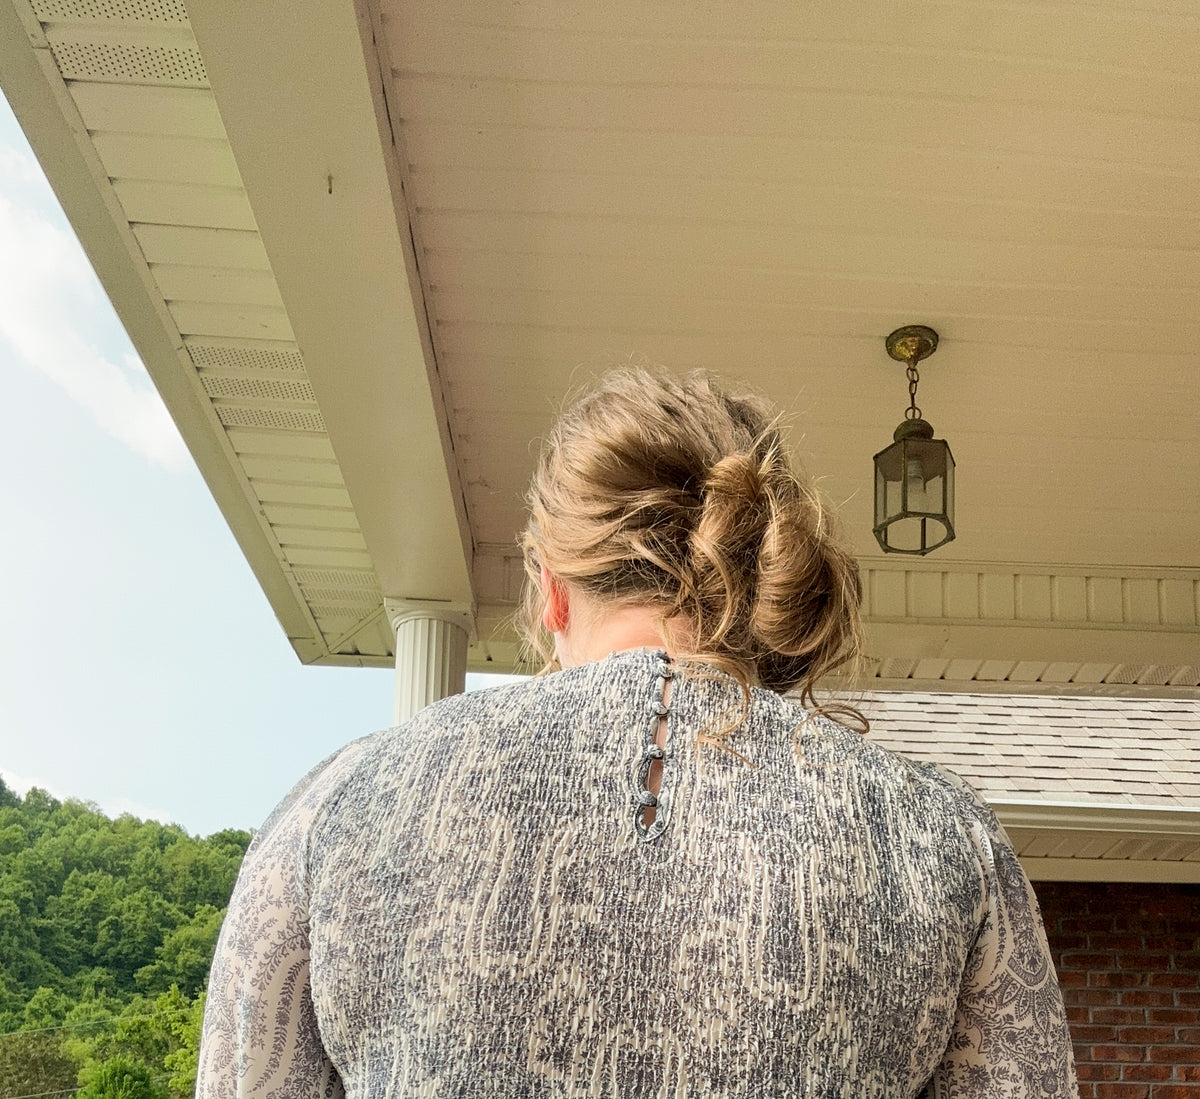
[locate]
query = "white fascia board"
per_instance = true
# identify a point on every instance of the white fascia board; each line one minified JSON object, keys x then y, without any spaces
{"x":51,"y":122}
{"x":301,"y":97}
{"x":1133,"y":820}
{"x":1066,"y":819}
{"x":1112,"y":870}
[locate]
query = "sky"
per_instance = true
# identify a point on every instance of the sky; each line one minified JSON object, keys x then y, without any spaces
{"x":141,"y":667}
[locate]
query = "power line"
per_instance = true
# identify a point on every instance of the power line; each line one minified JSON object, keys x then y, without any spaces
{"x":64,"y":1026}
{"x":42,"y":1094}
{"x":70,"y":1091}
{"x":112,"y":1020}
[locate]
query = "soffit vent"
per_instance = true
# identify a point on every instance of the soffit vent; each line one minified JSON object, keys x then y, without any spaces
{"x":362,"y":579}
{"x":209,"y":356}
{"x":358,"y":598}
{"x":1127,"y":673}
{"x":130,"y":63}
{"x":353,"y":611}
{"x":285,"y":419}
{"x":258,"y":388}
{"x":1187,"y":675}
{"x":347,"y":594}
{"x":157,"y":12}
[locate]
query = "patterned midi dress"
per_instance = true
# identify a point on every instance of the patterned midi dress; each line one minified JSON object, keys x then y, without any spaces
{"x":490,"y":901}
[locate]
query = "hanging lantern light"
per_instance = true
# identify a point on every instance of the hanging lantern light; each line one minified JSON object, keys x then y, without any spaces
{"x":914,"y":477}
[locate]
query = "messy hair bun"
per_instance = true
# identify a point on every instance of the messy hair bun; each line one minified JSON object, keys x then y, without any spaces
{"x":671,"y":493}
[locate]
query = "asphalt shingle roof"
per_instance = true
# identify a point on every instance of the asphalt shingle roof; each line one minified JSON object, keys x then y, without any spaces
{"x":1051,"y":748}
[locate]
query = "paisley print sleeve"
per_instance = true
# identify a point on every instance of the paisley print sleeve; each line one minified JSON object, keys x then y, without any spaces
{"x":260,"y":1030}
{"x":1010,"y":1037}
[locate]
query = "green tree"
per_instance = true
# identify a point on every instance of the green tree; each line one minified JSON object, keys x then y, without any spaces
{"x":89,"y":1020}
{"x":70,"y":926}
{"x":128,"y":937}
{"x":202,"y":872}
{"x":123,"y":1078}
{"x":20,"y":947}
{"x":46,"y":1009}
{"x":34,"y":1063}
{"x":107,"y":930}
{"x":186,"y":954}
{"x":12,"y":837}
{"x":149,"y":1032}
{"x":8,"y":798}
{"x":183,"y":1061}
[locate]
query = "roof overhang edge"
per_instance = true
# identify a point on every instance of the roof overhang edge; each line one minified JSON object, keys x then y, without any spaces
{"x":1161,"y":829}
{"x":59,"y":138}
{"x":1140,"y":820}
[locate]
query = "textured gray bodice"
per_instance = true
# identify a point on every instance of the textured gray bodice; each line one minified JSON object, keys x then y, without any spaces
{"x":473,"y":904}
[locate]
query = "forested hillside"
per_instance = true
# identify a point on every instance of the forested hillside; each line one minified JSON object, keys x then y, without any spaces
{"x":107,"y":928}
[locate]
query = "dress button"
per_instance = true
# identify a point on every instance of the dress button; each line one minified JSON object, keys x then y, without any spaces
{"x":654,"y":751}
{"x":647,"y":799}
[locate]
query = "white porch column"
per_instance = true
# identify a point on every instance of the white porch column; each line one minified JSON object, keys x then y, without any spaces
{"x":431,"y":654}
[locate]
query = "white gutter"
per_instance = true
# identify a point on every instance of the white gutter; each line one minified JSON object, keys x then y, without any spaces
{"x":1137,"y":843}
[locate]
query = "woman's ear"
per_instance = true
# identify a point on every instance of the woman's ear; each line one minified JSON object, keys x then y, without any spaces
{"x":555,"y":610}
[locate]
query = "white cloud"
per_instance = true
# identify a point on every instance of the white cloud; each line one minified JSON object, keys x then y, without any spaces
{"x":20,"y":785}
{"x":114,"y":807}
{"x":19,"y":168}
{"x":110,"y":807}
{"x":50,"y":308}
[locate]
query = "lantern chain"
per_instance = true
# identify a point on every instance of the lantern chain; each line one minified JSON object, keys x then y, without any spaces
{"x":913,"y":412}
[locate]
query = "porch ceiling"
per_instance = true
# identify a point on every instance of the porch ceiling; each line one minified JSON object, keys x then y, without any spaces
{"x":366,"y":249}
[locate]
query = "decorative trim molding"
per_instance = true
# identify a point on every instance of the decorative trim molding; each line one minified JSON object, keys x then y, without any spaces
{"x":461,"y":615}
{"x":1032,"y":595}
{"x":978,"y":625}
{"x":991,"y":593}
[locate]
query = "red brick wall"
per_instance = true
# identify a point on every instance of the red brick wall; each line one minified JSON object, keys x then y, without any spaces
{"x":1128,"y":959}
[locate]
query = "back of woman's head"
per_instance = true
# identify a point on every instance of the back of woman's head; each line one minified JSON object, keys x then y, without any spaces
{"x":671,"y":493}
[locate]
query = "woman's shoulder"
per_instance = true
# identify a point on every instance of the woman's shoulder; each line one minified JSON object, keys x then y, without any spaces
{"x":509,"y":701}
{"x":601,"y":685}
{"x":821,"y":741}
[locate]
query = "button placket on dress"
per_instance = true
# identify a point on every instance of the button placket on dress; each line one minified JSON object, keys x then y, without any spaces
{"x":652,"y":752}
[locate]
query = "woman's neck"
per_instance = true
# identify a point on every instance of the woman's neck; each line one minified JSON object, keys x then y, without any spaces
{"x":599,"y":631}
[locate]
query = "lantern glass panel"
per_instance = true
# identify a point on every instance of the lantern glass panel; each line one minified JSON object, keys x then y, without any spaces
{"x":906,"y":535}
{"x":889,"y":482}
{"x":923,"y":468}
{"x":949,"y":486}
{"x":889,"y":490}
{"x":914,"y":495}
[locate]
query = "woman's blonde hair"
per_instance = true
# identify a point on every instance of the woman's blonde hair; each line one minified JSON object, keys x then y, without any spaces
{"x":673,"y":493}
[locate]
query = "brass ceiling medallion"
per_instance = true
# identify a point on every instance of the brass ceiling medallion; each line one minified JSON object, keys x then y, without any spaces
{"x":914,"y":477}
{"x":912,"y":343}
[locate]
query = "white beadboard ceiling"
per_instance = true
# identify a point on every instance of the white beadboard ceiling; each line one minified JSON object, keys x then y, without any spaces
{"x":366,"y":249}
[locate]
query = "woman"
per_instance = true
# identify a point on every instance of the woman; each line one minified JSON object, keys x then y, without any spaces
{"x":650,"y":873}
